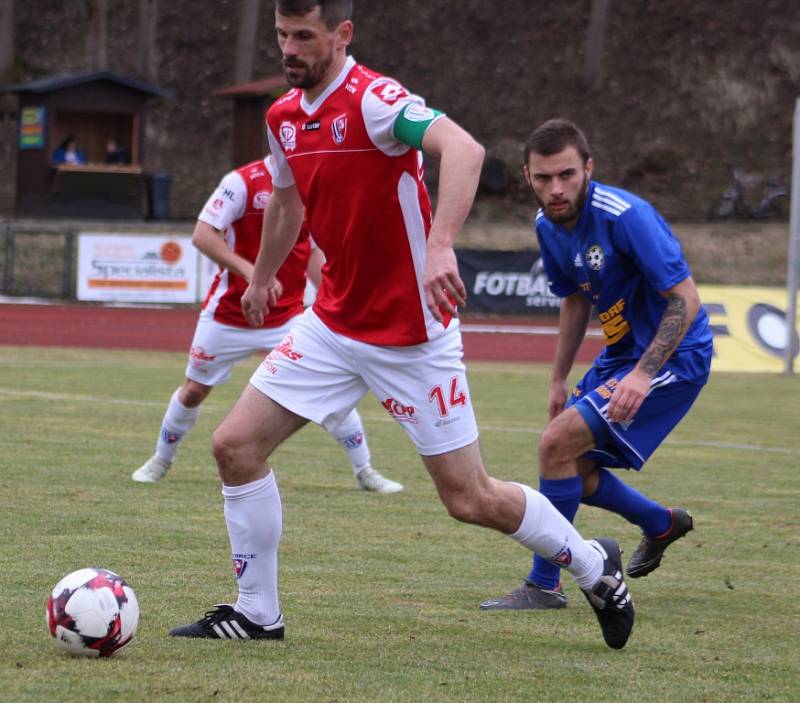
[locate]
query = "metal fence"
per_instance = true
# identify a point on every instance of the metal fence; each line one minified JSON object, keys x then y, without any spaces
{"x":38,"y":261}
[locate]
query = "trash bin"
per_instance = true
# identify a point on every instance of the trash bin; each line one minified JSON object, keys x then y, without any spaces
{"x":158,"y":184}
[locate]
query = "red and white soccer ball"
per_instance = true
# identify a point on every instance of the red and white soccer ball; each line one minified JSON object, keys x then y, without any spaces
{"x":92,"y":613}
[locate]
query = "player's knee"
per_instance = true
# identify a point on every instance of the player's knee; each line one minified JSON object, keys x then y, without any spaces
{"x":553,"y":451}
{"x":225,"y":450}
{"x":192,"y":394}
{"x":465,"y":507}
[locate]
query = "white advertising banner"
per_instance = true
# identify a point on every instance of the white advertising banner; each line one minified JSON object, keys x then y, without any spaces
{"x":137,"y":268}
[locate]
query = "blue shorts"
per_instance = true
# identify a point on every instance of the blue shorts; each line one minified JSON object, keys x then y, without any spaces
{"x":629,"y":444}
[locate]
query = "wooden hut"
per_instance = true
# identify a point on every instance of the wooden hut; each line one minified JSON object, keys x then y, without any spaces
{"x":93,"y":108}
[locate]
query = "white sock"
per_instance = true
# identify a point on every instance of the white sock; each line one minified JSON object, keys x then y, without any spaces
{"x":350,"y":434}
{"x":547,"y":532}
{"x":177,"y":422}
{"x":254,"y":518}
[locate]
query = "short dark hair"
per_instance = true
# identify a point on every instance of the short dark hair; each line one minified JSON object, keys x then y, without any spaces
{"x":332,"y":12}
{"x":554,"y":136}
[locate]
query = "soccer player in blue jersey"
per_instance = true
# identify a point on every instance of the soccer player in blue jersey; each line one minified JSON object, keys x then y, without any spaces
{"x":605,"y":248}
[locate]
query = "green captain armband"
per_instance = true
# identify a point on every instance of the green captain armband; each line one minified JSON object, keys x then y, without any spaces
{"x":412,"y":123}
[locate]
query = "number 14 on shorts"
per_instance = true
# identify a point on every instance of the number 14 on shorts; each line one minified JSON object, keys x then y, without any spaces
{"x":456,"y":397}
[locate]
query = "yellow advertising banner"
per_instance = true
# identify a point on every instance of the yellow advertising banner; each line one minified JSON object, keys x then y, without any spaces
{"x":749,"y":326}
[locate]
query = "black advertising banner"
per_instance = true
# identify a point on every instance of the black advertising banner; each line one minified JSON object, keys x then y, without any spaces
{"x":505,"y":282}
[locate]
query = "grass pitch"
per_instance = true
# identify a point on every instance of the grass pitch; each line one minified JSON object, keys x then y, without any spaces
{"x":380,"y":593}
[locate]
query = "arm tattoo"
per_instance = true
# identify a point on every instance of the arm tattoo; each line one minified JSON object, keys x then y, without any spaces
{"x":668,"y":335}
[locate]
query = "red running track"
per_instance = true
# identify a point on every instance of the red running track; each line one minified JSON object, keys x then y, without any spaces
{"x":171,"y":329}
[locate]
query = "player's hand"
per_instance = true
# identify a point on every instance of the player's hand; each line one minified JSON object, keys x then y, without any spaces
{"x":258,"y":299}
{"x":628,"y":396}
{"x":444,"y":289}
{"x":557,"y":398}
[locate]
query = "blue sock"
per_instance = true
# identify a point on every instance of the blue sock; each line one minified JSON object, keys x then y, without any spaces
{"x":618,"y":497}
{"x":565,"y":494}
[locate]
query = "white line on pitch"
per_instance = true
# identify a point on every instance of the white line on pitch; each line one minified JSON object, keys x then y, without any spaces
{"x":485,"y":426}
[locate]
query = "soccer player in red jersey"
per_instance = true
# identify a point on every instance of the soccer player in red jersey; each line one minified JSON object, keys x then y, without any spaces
{"x":228,"y":231}
{"x":348,"y":145}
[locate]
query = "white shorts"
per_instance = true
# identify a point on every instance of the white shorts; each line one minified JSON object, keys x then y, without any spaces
{"x":217,"y":347}
{"x":321,"y":375}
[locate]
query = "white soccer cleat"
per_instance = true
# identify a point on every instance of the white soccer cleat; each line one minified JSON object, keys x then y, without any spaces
{"x":152,"y":471}
{"x":370,"y":480}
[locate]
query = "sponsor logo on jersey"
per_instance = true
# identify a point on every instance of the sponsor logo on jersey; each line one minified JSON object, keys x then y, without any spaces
{"x":418,"y":113}
{"x":339,"y":128}
{"x":312,"y":126}
{"x":390,"y":93}
{"x":228,"y":193}
{"x":563,"y":558}
{"x":353,"y":441}
{"x":217,"y":204}
{"x":595,"y":257}
{"x":288,"y":136}
{"x":261,"y":199}
{"x":350,"y":89}
{"x":399,"y":411}
{"x":578,"y":263}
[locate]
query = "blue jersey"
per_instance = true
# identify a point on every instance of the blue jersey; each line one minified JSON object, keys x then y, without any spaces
{"x":620,"y":254}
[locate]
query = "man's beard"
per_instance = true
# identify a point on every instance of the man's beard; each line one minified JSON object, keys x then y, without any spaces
{"x":311,"y":76}
{"x":571,"y":213}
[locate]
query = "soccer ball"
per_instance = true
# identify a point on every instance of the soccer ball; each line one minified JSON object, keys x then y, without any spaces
{"x":92,"y":613}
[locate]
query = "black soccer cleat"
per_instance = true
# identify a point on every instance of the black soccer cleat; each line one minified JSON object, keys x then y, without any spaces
{"x":528,"y":596}
{"x":609,"y":597}
{"x":224,"y":623}
{"x":647,"y":555}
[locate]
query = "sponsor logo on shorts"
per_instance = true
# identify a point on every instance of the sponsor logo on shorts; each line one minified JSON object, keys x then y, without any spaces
{"x":285,"y":348}
{"x":399,"y":411}
{"x":353,"y":441}
{"x":199,"y":356}
{"x":563,"y":558}
{"x":448,"y":421}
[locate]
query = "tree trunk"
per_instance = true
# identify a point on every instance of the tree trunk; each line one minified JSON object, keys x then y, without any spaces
{"x":6,"y":38}
{"x":246,"y":41}
{"x":148,"y":56}
{"x":97,"y":36}
{"x":595,"y":42}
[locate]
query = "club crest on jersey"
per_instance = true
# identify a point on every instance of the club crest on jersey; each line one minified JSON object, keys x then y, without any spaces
{"x":339,"y":128}
{"x":288,"y":136}
{"x":563,"y":558}
{"x":595,"y":257}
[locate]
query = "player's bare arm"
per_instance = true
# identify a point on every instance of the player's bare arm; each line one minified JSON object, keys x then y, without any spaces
{"x":461,"y":158}
{"x":283,"y":218}
{"x":209,"y":240}
{"x":573,"y":320}
{"x":683,"y":304}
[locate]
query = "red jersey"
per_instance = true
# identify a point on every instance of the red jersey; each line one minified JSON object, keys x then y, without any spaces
{"x":366,"y":204}
{"x":237,"y":209}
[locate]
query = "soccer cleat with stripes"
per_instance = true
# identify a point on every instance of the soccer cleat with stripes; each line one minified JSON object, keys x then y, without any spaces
{"x":647,"y":556}
{"x":528,"y":596}
{"x":224,"y":623}
{"x":609,"y":597}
